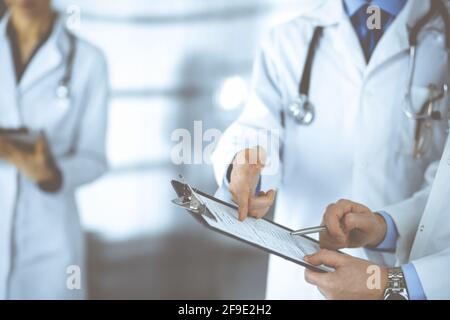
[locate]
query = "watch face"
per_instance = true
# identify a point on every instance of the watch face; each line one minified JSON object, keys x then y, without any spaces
{"x":394,"y":296}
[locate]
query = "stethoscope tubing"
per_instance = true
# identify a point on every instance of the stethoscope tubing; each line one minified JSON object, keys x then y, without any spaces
{"x":439,"y":7}
{"x":63,"y":88}
{"x":307,"y":107}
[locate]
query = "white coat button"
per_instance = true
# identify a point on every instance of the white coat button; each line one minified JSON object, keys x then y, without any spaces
{"x":422,"y":227}
{"x":448,"y":161}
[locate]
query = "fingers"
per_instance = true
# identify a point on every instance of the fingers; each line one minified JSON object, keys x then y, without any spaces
{"x":41,"y":143}
{"x":254,"y":206}
{"x":242,"y":202}
{"x":353,"y":221}
{"x":7,"y":148}
{"x":3,"y":146}
{"x":323,"y":281}
{"x":240,"y":189}
{"x":260,"y":205}
{"x":325,"y":257}
{"x":316,"y":278}
{"x":245,"y":176}
{"x":41,"y":146}
{"x":328,"y":242}
{"x":334,"y":218}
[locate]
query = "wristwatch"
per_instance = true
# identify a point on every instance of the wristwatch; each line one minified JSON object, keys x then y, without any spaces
{"x":396,"y":286}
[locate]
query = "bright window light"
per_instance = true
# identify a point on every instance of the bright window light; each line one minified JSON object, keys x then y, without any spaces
{"x":232,"y":94}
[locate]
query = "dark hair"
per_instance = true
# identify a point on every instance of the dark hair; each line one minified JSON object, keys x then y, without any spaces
{"x":2,"y":8}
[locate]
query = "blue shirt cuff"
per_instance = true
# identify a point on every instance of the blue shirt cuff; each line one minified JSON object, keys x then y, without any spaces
{"x":415,"y":289}
{"x":390,"y":239}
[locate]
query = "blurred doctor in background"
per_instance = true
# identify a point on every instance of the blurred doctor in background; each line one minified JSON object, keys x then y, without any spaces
{"x":352,"y":138}
{"x":55,"y":85}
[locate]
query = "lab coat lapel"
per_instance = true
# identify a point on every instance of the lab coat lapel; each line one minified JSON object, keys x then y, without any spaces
{"x":46,"y":60}
{"x":350,"y":46}
{"x":8,"y":106}
{"x":342,"y":34}
{"x":327,"y":13}
{"x":396,"y":38}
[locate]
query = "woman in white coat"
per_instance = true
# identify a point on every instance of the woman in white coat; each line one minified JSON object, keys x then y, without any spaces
{"x":417,"y":229}
{"x":52,"y":83}
{"x":359,"y":146}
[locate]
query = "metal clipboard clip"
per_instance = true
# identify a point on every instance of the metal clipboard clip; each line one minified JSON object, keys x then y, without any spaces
{"x":189,"y":201}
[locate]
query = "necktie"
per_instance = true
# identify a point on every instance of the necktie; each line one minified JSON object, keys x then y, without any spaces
{"x":368,"y":37}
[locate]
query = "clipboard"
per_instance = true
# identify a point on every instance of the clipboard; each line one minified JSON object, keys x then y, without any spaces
{"x":190,"y":199}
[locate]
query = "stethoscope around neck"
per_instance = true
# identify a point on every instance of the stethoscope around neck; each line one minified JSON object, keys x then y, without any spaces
{"x":427,"y":111}
{"x":302,"y":110}
{"x":63,"y":87}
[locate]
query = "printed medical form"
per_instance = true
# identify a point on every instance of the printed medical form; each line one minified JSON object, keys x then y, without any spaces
{"x":259,"y":232}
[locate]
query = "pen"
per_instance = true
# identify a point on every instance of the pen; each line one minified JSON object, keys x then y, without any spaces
{"x":308,"y":230}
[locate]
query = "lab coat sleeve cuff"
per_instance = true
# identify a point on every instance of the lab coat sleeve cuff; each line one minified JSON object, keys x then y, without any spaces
{"x":390,"y":240}
{"x":415,"y":289}
{"x":78,"y":170}
{"x":407,"y":215}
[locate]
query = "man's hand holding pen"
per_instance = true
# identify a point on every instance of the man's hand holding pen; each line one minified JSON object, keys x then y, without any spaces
{"x":351,"y":225}
{"x":348,"y":225}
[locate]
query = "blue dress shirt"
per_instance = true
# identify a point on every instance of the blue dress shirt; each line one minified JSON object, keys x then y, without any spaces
{"x":393,"y":7}
{"x":356,"y":10}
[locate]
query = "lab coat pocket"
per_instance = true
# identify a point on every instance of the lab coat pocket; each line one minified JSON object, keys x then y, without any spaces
{"x":57,"y":122}
{"x":57,"y":110}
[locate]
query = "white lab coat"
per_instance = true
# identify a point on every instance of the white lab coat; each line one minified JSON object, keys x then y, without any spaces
{"x":40,"y":233}
{"x":423,"y":225}
{"x":360,"y":145}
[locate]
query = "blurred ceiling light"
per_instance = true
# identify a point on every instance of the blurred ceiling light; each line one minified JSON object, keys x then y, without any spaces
{"x":232,"y":94}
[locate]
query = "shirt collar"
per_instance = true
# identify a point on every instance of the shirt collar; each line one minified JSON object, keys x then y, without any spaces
{"x":393,"y":7}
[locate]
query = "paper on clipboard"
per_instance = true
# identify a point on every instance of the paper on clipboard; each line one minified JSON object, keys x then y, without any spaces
{"x":262,"y":233}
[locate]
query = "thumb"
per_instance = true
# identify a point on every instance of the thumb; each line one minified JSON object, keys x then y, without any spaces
{"x":326,"y":257}
{"x":268,"y":196}
{"x":264,"y":199}
{"x":271,"y":194}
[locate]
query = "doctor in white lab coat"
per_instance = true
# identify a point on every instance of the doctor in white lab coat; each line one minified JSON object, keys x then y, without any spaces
{"x":41,"y":240}
{"x":418,"y":229}
{"x":360,"y":145}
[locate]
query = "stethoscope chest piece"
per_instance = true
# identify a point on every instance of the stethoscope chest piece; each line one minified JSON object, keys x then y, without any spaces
{"x":62,"y":92}
{"x":63,"y":88}
{"x":302,"y":110}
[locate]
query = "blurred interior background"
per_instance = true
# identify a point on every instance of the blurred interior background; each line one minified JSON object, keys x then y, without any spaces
{"x":171,"y":62}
